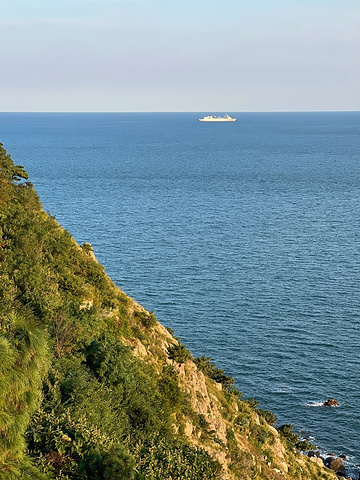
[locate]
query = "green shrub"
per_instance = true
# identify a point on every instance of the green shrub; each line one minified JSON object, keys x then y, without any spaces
{"x":169,"y":387}
{"x":242,"y":421}
{"x":73,"y":448}
{"x":148,"y":320}
{"x":253,"y":404}
{"x":209,"y":369}
{"x":268,"y":416}
{"x":241,"y":462}
{"x":171,"y":331}
{"x":159,"y":459}
{"x":179,"y":353}
{"x":293,"y":439}
{"x":260,"y":434}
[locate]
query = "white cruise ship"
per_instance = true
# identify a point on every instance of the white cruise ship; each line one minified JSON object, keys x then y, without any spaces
{"x":212,"y":118}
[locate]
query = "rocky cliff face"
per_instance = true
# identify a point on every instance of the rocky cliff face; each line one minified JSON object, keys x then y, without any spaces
{"x":231,"y":430}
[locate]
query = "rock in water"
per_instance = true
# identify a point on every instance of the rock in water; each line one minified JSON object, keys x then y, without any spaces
{"x":338,"y":465}
{"x":331,"y":402}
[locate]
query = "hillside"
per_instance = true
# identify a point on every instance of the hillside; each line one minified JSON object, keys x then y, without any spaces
{"x":93,"y":387}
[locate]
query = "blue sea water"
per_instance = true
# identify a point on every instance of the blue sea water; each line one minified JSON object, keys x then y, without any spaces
{"x":242,"y":237}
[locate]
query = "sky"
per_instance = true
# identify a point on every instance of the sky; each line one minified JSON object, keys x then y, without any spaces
{"x":179,"y":55}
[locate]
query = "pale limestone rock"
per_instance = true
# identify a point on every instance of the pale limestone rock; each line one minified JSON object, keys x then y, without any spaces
{"x":86,"y":305}
{"x":195,"y":385}
{"x":317,"y":460}
{"x":87,"y":247}
{"x":188,"y":429}
{"x":279,"y":451}
{"x":139,"y":348}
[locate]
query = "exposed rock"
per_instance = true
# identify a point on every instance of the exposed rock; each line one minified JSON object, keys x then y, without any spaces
{"x":328,"y":461}
{"x":88,"y":249}
{"x":202,"y":402}
{"x":317,"y":460}
{"x":139,"y":348}
{"x":313,"y":453}
{"x":331,"y":402}
{"x":315,"y":457}
{"x":86,"y":305}
{"x":279,"y":451}
{"x":188,"y":429}
{"x":336,"y":464}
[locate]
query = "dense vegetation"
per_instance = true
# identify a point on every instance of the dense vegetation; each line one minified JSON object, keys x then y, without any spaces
{"x":71,"y":390}
{"x":77,"y":401}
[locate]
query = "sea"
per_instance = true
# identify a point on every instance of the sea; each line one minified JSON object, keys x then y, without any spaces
{"x":242,"y":237}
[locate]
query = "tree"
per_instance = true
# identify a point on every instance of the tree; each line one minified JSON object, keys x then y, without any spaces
{"x":8,"y":171}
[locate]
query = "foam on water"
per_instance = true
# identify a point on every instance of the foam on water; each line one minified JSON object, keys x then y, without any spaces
{"x":315,"y":404}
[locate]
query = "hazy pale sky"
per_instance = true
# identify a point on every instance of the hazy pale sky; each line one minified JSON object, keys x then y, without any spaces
{"x":184,"y":55}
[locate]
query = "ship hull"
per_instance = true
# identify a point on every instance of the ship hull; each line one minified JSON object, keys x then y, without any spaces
{"x":218,"y":120}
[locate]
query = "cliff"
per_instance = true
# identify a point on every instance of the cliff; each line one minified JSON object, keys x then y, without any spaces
{"x":93,"y":387}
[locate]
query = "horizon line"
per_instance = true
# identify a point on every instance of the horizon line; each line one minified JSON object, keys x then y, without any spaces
{"x":176,"y":111}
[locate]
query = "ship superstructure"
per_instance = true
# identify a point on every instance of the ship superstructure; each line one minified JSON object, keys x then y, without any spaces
{"x":214,"y":118}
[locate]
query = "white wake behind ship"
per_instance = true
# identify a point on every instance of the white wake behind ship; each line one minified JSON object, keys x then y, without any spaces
{"x":213,"y":118}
